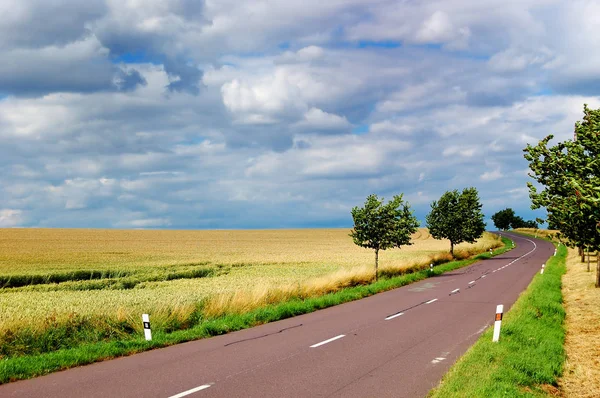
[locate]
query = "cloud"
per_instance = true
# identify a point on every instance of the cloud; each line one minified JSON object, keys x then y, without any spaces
{"x":129,"y":80}
{"x":10,"y":218}
{"x":438,"y":28}
{"x":145,"y":223}
{"x":40,"y":23}
{"x":514,"y":59}
{"x":316,"y":119}
{"x":186,"y":114}
{"x":491,"y":175}
{"x":264,"y":100}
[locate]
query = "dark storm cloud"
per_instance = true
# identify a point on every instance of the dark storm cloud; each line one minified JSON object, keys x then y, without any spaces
{"x":41,"y":23}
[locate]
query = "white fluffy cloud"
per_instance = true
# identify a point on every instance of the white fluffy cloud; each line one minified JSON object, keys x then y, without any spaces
{"x":187,"y":114}
{"x":10,"y":218}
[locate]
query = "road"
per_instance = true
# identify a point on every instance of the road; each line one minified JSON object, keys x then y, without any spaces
{"x":393,"y":344}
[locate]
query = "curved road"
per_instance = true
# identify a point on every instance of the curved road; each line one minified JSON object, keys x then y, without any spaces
{"x":394,"y":344}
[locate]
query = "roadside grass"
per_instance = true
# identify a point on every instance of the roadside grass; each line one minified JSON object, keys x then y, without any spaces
{"x":246,"y":300}
{"x":581,"y":377}
{"x":60,"y":350}
{"x":547,"y":234}
{"x":102,"y":279}
{"x":528,"y":359}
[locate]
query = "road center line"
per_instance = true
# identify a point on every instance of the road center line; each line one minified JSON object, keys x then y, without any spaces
{"x":470,"y":283}
{"x":328,"y":341}
{"x":188,"y":392}
{"x":431,"y":301}
{"x":454,"y":291}
{"x":394,"y":316}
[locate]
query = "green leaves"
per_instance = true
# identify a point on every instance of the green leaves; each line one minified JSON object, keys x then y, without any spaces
{"x":456,"y":217}
{"x":502,"y":219}
{"x":506,"y":219}
{"x":569,"y":173}
{"x":381,"y":226}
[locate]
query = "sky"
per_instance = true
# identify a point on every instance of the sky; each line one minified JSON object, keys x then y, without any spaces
{"x":185,"y":114}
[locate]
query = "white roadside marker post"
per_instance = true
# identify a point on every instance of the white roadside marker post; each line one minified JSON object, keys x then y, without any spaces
{"x":431,"y":267}
{"x":542,"y":271}
{"x":497,"y":323}
{"x":147,"y":331}
{"x":555,"y":252}
{"x":490,"y":252}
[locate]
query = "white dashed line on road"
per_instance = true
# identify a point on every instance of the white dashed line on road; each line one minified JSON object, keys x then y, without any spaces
{"x":431,"y":301}
{"x":188,"y":392}
{"x":394,"y":316}
{"x":327,"y":341}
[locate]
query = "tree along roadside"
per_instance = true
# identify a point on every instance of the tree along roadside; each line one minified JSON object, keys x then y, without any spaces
{"x":382,"y":226}
{"x":569,"y":174}
{"x":507,"y":219}
{"x":456,"y":217}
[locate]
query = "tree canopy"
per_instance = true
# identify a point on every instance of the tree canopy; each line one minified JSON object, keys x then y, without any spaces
{"x":457,"y":217}
{"x":569,"y":174}
{"x":381,"y":226}
{"x":506,"y":219}
{"x":503,"y":218}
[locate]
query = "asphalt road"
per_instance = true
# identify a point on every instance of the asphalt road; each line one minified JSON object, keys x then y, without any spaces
{"x":394,"y":344}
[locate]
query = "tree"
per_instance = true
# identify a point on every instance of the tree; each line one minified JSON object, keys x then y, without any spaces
{"x":517,"y":222}
{"x":457,"y":217}
{"x":380,"y":226}
{"x":503,"y":219}
{"x":530,"y":224}
{"x":569,"y":174}
{"x":506,"y":219}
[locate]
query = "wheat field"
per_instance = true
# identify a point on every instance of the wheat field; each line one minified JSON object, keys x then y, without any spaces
{"x":169,"y":274}
{"x":581,"y":377}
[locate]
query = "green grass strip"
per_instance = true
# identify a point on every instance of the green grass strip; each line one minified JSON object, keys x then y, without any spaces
{"x":98,"y":279}
{"x":27,"y":366}
{"x":528,"y":359}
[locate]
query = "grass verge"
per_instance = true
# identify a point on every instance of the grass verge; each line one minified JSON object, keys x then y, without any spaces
{"x":528,"y":360}
{"x":100,"y":279}
{"x":27,"y":366}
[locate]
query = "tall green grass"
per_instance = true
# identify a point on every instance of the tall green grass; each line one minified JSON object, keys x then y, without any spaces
{"x":101,"y":279}
{"x":82,"y":341}
{"x":529,"y":357}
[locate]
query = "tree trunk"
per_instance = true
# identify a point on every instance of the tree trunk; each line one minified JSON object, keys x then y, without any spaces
{"x":597,"y":269}
{"x":588,"y":259}
{"x":452,"y":248}
{"x":582,"y":254}
{"x":376,"y":263}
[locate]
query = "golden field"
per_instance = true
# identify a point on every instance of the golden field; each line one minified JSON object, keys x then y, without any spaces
{"x":252,"y":267}
{"x":581,"y":377}
{"x":47,"y":250}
